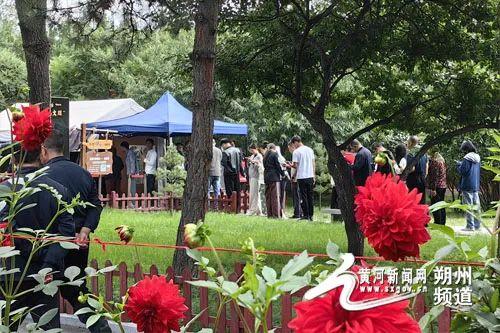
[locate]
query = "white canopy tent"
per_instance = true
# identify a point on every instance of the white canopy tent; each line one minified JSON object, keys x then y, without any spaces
{"x":83,"y":112}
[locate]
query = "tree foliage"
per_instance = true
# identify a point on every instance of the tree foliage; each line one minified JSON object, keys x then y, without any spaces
{"x":171,"y":174}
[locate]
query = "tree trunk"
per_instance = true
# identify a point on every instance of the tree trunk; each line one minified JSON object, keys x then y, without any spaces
{"x":342,"y":175}
{"x":32,"y":15}
{"x":199,"y":153}
{"x":344,"y":183}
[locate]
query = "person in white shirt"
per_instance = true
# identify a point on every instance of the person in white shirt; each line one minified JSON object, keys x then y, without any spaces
{"x":400,"y":154}
{"x":304,"y":161}
{"x":150,"y":166}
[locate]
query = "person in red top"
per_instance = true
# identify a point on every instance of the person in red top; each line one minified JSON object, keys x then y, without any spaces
{"x":436,"y":183}
{"x":349,"y":157}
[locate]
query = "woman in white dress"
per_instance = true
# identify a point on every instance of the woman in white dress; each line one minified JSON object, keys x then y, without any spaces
{"x":255,"y":180}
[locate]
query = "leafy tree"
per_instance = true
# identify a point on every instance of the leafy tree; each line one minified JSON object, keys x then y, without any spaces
{"x":171,"y":174}
{"x":412,"y":65}
{"x":12,"y":77}
{"x":160,"y":64}
{"x":323,"y":184}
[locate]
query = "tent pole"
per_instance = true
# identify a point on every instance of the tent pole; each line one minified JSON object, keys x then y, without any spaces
{"x":84,"y":147}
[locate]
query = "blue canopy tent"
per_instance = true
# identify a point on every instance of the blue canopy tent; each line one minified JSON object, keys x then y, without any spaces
{"x":165,"y":118}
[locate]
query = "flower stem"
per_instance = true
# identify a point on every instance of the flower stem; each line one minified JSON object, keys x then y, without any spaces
{"x":224,"y":274}
{"x":138,"y":260}
{"x":217,"y":258}
{"x":120,"y":325}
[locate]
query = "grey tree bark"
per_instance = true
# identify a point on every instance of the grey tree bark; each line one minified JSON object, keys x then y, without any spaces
{"x":32,"y":15}
{"x":199,"y":152}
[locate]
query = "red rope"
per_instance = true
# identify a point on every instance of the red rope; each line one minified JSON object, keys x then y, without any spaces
{"x":222,"y":249}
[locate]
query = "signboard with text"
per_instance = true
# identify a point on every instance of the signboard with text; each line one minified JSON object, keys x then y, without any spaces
{"x":99,"y":144}
{"x":99,"y":163}
{"x":60,"y":118}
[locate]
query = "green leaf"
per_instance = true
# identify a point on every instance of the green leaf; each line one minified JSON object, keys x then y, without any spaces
{"x":69,"y":245}
{"x":107,"y":269}
{"x":5,"y":159}
{"x":51,"y":288}
{"x":333,"y":251}
{"x":71,"y":272}
{"x":439,"y":205}
{"x":494,"y":300}
{"x":46,"y":317}
{"x":83,"y":311}
{"x":483,"y":253}
{"x":205,"y":284}
{"x":230,"y":287}
{"x":95,"y":304}
{"x":488,"y":320}
{"x":92,"y":320}
{"x":429,"y":317}
{"x":8,"y":251}
{"x":194,"y":254}
{"x":90,"y":271}
{"x":448,"y":231}
{"x":295,"y":265}
{"x":250,"y":278}
{"x":269,"y":275}
{"x":444,"y":251}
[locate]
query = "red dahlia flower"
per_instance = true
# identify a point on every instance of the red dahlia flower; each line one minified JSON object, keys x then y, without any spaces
{"x":391,"y":218}
{"x":326,"y":315}
{"x":155,"y":305}
{"x":32,"y":129}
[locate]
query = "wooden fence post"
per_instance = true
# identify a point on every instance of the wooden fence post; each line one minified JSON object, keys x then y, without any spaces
{"x":228,"y":320}
{"x":204,"y":318}
{"x":108,"y":283}
{"x":234,"y":202}
{"x":94,"y":280}
{"x":419,"y":307}
{"x":114,"y":201}
{"x":444,"y":321}
{"x":123,"y":275}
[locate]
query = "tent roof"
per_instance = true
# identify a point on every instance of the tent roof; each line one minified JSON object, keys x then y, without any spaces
{"x":84,"y":111}
{"x":166,"y":117}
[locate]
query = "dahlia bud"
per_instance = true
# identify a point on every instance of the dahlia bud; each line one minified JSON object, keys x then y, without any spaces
{"x":82,"y":298}
{"x":17,"y":115}
{"x":380,"y":159}
{"x":125,"y":232}
{"x":195,"y":234}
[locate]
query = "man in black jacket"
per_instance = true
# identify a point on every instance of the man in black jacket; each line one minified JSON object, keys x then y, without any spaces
{"x":43,"y":206}
{"x":78,"y":181}
{"x":362,"y":167}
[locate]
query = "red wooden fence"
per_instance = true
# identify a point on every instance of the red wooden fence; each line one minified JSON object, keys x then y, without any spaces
{"x":116,"y":283}
{"x":167,"y":202}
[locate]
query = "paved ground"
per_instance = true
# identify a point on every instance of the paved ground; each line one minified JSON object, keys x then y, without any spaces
{"x":458,"y":230}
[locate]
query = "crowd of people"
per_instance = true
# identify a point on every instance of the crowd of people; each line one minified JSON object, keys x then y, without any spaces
{"x":426,"y":173}
{"x":270,"y":175}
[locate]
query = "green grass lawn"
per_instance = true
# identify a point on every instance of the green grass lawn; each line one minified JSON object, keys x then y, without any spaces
{"x":228,"y":230}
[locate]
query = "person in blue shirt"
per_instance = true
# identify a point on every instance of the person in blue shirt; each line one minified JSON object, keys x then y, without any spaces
{"x":469,"y":169}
